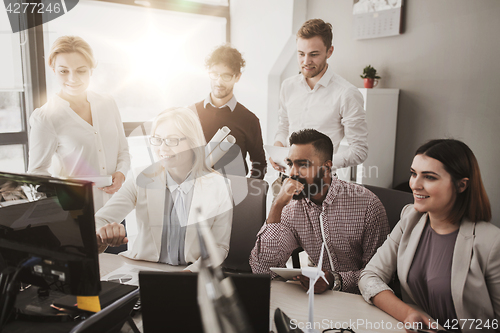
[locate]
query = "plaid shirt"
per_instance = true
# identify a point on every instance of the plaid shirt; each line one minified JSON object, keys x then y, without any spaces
{"x":355,"y":225}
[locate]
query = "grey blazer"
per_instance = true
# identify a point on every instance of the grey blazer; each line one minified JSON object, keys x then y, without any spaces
{"x":475,"y":269}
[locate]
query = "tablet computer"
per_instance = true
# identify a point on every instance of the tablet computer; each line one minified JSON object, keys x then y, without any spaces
{"x":286,"y":273}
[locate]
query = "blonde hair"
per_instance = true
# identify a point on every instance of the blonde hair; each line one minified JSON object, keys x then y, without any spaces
{"x":188,"y":123}
{"x":69,"y":44}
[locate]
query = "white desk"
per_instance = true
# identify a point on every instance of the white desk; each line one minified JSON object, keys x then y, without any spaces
{"x":330,"y":307}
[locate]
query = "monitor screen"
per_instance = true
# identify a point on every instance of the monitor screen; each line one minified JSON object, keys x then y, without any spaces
{"x":51,"y":222}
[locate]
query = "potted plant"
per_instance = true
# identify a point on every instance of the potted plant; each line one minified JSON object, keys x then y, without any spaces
{"x":370,"y":77}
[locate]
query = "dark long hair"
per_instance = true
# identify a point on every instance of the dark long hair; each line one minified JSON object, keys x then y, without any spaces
{"x":459,"y":161}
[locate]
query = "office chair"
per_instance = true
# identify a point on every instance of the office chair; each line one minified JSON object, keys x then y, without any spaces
{"x":393,"y":201}
{"x":248,"y":217}
{"x":111,"y":318}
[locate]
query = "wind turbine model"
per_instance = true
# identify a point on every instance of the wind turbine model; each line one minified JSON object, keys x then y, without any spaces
{"x":313,"y":273}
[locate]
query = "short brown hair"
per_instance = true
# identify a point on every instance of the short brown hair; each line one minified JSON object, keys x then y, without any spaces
{"x":317,"y":27}
{"x":459,"y":161}
{"x":69,"y":44}
{"x":226,"y":55}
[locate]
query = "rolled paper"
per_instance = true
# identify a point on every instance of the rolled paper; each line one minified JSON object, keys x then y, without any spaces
{"x":219,"y":151}
{"x":221,"y":134}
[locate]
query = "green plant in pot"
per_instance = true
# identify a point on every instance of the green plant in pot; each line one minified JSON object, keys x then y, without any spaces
{"x":370,"y":77}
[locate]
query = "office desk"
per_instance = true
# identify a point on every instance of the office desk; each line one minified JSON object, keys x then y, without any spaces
{"x":110,"y":262}
{"x":330,"y":307}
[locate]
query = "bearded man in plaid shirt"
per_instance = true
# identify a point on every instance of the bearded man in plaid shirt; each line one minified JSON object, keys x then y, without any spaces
{"x":313,"y":207}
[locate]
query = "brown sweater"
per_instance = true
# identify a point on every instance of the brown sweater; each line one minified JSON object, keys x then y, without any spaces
{"x":244,"y":126}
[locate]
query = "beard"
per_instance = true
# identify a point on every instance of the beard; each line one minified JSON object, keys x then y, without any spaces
{"x":314,"y":73}
{"x":310,"y":190}
{"x":224,"y":92}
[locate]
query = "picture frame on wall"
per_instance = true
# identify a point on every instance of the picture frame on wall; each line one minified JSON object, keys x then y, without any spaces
{"x":376,"y":18}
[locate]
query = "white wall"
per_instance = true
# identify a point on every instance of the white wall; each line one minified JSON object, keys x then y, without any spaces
{"x":445,"y":63}
{"x":259,"y":30}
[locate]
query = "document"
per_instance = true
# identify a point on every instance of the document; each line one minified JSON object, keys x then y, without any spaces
{"x":278,"y":154}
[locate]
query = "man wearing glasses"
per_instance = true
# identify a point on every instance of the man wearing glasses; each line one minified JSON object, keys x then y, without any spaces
{"x":221,"y":108}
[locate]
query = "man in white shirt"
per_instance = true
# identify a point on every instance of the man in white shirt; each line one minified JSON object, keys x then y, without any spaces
{"x":322,"y":100}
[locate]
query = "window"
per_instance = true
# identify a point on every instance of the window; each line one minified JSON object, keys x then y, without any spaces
{"x":149,"y":59}
{"x":13,"y":137}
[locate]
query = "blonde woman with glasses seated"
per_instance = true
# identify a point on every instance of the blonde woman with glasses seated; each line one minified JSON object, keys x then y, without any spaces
{"x":80,"y":128}
{"x":166,"y":196}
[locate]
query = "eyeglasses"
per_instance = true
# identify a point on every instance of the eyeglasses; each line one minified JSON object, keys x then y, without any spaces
{"x":170,"y":142}
{"x":339,"y":330}
{"x":225,"y":76}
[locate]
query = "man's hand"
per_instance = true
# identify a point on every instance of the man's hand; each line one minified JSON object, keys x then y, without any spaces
{"x":118,"y":179}
{"x":273,"y":164}
{"x":112,"y":234}
{"x":276,"y":166}
{"x":289,"y":188}
{"x":320,"y":286}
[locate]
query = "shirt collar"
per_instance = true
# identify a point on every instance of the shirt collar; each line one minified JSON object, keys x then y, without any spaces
{"x":326,"y":78}
{"x":231,"y":104}
{"x":185,"y":186}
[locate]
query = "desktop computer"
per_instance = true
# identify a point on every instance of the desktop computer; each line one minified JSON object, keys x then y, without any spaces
{"x":48,"y":245}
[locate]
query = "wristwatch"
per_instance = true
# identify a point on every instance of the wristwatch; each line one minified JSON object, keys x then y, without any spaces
{"x":337,"y":282}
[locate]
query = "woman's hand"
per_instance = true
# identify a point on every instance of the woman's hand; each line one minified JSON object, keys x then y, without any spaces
{"x":415,"y":317}
{"x":112,"y":234}
{"x":118,"y":179}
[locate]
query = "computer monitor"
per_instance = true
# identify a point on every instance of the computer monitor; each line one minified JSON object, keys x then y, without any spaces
{"x":49,"y":223}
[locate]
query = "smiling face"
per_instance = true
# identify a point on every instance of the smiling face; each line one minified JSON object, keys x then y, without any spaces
{"x":73,"y":73}
{"x":312,"y":55}
{"x":432,"y":186}
{"x":178,"y":157}
{"x":220,"y":88}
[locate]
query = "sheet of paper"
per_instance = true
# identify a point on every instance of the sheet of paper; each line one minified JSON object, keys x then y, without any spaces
{"x":99,"y":181}
{"x":127,"y":274}
{"x":278,"y":154}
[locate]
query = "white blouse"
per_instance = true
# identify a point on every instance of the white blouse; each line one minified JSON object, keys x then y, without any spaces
{"x":77,"y":148}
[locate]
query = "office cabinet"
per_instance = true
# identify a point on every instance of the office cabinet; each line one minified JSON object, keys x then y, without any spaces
{"x":381,"y":107}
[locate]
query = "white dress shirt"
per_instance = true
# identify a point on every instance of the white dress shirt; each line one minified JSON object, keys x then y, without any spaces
{"x":334,"y":107}
{"x":77,"y":148}
{"x":178,"y":198}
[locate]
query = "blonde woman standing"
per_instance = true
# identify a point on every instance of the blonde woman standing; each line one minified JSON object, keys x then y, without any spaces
{"x":77,"y":129}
